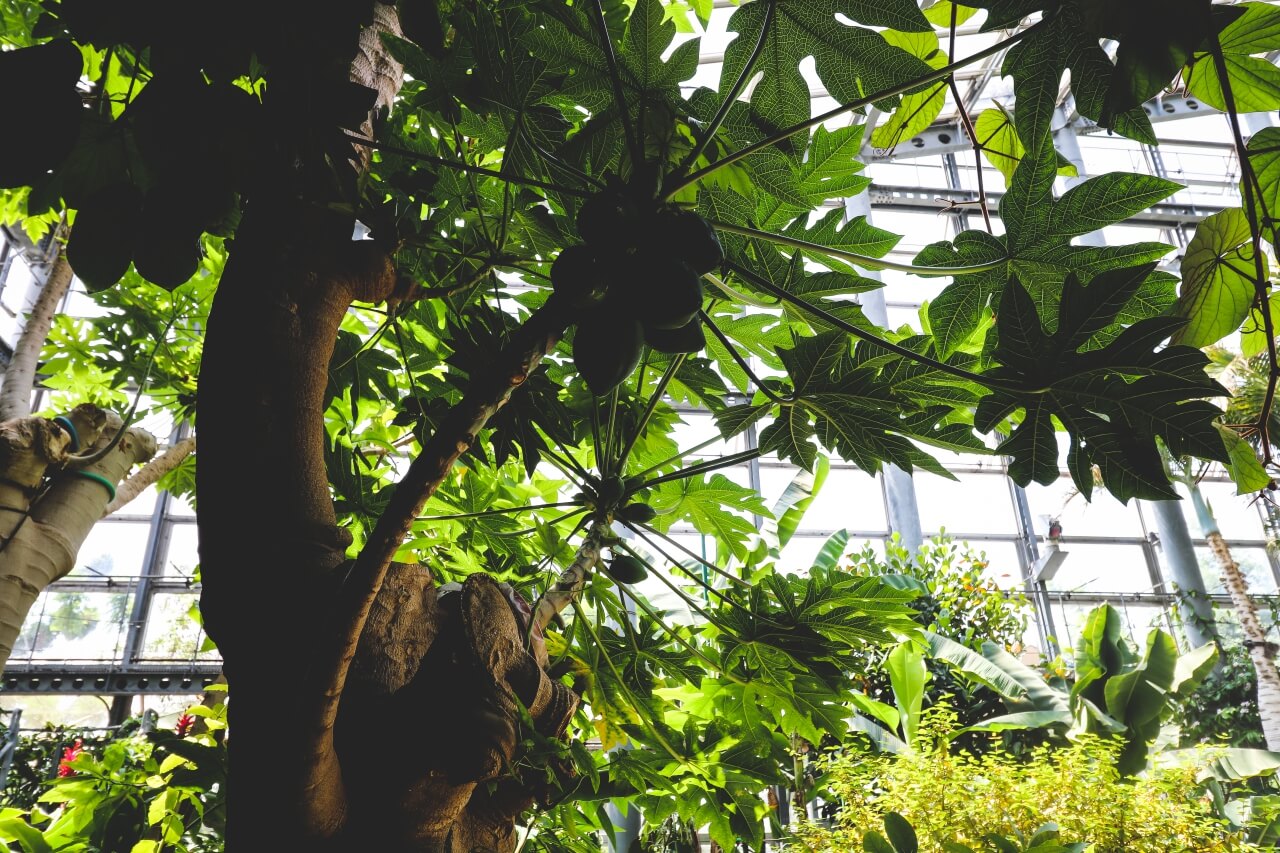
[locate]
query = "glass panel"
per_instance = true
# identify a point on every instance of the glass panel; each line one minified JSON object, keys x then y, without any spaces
{"x":40,"y":710}
{"x":1102,"y":568}
{"x":978,"y":503}
{"x":75,"y":626}
{"x":17,"y":286}
{"x":172,"y":633}
{"x":1002,"y":566}
{"x":803,"y":549}
{"x":183,"y":557}
{"x":1253,"y":563}
{"x":1102,"y":516}
{"x":1236,"y":515}
{"x":113,"y":548}
{"x":850,"y":498}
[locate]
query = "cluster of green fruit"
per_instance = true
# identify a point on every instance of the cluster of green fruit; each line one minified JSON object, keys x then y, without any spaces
{"x":636,"y":280}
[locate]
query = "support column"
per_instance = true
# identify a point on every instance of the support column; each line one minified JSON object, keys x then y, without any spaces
{"x":899,"y":488}
{"x":1028,"y":554}
{"x":1194,"y":608}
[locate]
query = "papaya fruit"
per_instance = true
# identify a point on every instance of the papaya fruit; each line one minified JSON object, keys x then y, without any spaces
{"x":607,"y":346}
{"x":625,"y":568}
{"x":689,"y":237}
{"x":638,"y":513}
{"x":688,"y":338}
{"x":610,"y":491}
{"x":101,"y":244}
{"x":45,"y":95}
{"x":577,"y":276}
{"x":608,"y":220}
{"x":167,"y":251}
{"x":664,"y":292}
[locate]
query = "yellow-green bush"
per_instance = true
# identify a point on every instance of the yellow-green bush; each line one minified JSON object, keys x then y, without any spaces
{"x":964,"y":798}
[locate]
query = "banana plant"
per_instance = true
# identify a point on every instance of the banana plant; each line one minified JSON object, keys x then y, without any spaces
{"x":895,"y":728}
{"x":1116,"y":691}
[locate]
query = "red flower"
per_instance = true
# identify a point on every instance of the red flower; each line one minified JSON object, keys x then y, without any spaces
{"x":185,"y":724}
{"x":68,"y":755}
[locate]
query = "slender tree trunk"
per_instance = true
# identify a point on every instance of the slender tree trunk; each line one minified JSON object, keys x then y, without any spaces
{"x":1261,"y":650}
{"x":150,"y":473}
{"x":20,"y":377}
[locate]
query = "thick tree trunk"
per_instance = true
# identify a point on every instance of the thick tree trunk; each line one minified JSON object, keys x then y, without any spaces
{"x":44,"y":523}
{"x":366,"y":708}
{"x":20,"y":376}
{"x":455,"y":668}
{"x":1261,"y":650}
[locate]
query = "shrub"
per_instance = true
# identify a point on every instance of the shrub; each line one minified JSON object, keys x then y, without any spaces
{"x":964,"y":798}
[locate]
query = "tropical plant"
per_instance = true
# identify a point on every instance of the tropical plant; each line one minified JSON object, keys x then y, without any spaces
{"x":145,"y":792}
{"x":1224,"y":709}
{"x":959,"y":602}
{"x":562,"y":245}
{"x":38,"y":756}
{"x":1113,"y":690}
{"x":999,"y":802}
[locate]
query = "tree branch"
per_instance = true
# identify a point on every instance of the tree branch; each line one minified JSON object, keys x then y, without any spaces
{"x":572,"y":580}
{"x":1260,"y":282}
{"x":150,"y":473}
{"x":488,"y":392}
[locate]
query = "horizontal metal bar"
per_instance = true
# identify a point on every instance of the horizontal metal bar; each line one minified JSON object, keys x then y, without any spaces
{"x":109,"y":680}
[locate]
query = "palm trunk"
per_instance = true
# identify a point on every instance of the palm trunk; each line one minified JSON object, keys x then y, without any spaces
{"x":1261,"y":650}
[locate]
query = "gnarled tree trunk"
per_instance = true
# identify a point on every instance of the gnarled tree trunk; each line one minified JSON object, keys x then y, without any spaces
{"x":49,"y":501}
{"x":366,"y":708}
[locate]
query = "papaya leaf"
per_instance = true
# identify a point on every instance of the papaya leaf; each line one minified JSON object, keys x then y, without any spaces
{"x":849,"y":60}
{"x":1114,"y":401}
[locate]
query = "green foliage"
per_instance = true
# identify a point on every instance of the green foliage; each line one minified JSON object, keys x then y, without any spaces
{"x":513,"y":119}
{"x":952,"y":799}
{"x":1224,"y":710}
{"x":958,"y":604}
{"x":157,"y":792}
{"x":36,"y":759}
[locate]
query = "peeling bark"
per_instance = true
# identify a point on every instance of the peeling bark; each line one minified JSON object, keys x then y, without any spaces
{"x":148,"y":474}
{"x":39,"y":543}
{"x":1261,"y":650}
{"x":20,"y":376}
{"x":571,"y":581}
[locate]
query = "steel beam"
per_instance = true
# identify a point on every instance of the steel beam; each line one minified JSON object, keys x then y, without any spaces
{"x":107,"y":679}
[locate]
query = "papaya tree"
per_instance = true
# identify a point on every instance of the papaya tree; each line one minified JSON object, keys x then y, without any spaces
{"x":478,"y":255}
